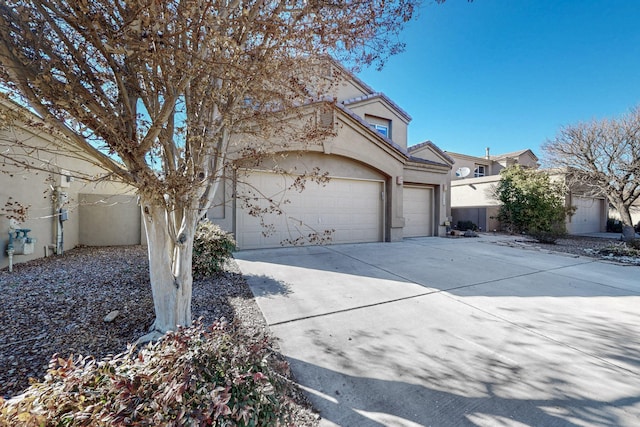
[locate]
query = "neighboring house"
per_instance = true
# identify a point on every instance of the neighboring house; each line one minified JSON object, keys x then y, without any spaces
{"x":378,"y":190}
{"x":474,"y":179}
{"x":61,"y":209}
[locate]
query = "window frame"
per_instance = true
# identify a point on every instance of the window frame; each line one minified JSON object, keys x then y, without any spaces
{"x":477,"y":173}
{"x":381,"y":129}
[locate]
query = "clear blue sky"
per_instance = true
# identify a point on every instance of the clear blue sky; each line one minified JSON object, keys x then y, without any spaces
{"x":507,"y":74}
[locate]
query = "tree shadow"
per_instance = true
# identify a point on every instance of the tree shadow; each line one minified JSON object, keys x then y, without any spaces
{"x":375,"y":373}
{"x":370,"y":402}
{"x":265,"y":286}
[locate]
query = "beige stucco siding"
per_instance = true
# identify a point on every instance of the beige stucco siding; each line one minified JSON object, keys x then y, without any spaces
{"x":344,"y":89}
{"x":109,"y":220}
{"x":472,"y":192}
{"x":376,"y":109}
{"x":38,"y":186}
{"x":472,"y":163}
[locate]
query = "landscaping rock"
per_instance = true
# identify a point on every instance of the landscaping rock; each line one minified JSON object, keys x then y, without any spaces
{"x":111,"y":316}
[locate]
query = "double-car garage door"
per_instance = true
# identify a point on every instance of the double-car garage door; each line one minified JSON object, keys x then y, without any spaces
{"x":352,"y":209}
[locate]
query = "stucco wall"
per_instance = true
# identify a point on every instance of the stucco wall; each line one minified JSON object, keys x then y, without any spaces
{"x":471,"y":163}
{"x":473,"y":192}
{"x":37,"y":187}
{"x":376,"y":108}
{"x":344,"y":89}
{"x":354,"y":153}
{"x":109,"y":220}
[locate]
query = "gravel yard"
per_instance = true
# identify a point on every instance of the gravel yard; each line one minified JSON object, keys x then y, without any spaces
{"x":587,"y":246}
{"x":58,"y":305}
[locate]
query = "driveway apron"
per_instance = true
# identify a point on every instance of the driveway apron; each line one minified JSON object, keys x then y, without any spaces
{"x":454,"y":332}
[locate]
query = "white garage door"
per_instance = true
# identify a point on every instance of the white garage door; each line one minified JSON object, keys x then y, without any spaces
{"x":587,"y":216}
{"x":350,"y":207}
{"x":418,"y":211}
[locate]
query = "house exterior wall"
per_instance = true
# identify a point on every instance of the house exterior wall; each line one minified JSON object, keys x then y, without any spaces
{"x":471,"y":162}
{"x":355,"y":151}
{"x":345,"y":87}
{"x":493,"y":164}
{"x":36,"y":190}
{"x":375,"y":109}
{"x":110,"y":220}
{"x":474,"y":192}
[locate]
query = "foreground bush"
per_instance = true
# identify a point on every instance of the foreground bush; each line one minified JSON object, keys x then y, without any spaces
{"x":212,"y":247}
{"x":193,"y":377}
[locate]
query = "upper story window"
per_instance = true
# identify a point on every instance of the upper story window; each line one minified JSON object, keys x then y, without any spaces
{"x":384,"y":130}
{"x":480,"y":170}
{"x":382,"y":126}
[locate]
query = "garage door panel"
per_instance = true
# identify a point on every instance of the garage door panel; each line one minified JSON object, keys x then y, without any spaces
{"x":353,"y":208}
{"x":586,"y":218}
{"x":418,"y":211}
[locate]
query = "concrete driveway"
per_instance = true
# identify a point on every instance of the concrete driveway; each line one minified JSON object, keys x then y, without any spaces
{"x":454,"y":332}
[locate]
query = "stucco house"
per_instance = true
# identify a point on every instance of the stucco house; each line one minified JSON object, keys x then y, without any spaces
{"x":474,"y":178}
{"x":378,"y":190}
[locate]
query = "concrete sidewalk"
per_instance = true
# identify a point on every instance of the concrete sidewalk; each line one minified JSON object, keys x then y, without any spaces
{"x":450,"y":332}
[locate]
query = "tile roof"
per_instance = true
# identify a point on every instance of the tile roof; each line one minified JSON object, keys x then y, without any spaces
{"x":433,"y":147}
{"x":382,"y":96}
{"x":513,"y":154}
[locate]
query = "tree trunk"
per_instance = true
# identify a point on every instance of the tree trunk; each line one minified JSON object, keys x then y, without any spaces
{"x":628,"y":232}
{"x":170,"y":246}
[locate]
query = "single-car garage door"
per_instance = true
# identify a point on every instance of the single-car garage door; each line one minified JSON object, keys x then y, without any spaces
{"x":587,"y":217}
{"x":352,"y":208}
{"x":418,"y":211}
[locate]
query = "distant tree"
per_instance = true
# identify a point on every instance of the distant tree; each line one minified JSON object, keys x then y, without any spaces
{"x":532,"y":202}
{"x":602,"y":158}
{"x":162,"y":94}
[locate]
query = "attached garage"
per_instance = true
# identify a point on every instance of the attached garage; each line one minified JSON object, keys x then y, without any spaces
{"x":418,"y":211}
{"x":353,"y":208}
{"x":588,"y":217}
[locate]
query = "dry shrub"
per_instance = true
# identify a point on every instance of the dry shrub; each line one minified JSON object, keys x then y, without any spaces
{"x":191,"y":377}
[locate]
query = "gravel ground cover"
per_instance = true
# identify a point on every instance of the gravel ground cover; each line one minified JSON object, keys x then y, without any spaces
{"x":58,"y":305}
{"x":608,"y":249}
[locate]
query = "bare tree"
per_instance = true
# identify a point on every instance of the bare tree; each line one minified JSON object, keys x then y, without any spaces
{"x":602,"y":158}
{"x":162,"y":94}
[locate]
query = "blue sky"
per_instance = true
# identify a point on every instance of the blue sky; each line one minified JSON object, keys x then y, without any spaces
{"x":506,"y":74}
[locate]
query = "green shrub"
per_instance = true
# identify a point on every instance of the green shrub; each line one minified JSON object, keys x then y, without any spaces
{"x":466,"y":225}
{"x":191,"y":377}
{"x":212,"y":247}
{"x":532,"y":203}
